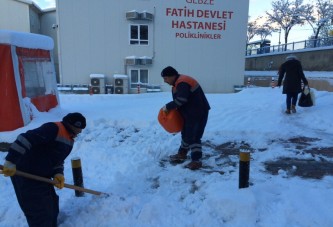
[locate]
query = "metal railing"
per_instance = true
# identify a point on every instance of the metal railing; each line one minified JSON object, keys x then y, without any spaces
{"x":311,"y":43}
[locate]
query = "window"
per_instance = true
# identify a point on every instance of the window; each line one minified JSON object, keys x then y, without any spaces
{"x":139,"y":34}
{"x":139,"y":77}
{"x":36,"y":72}
{"x":34,"y":81}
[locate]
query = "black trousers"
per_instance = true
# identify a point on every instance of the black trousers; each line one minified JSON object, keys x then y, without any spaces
{"x":192,"y":133}
{"x":38,"y":201}
{"x":291,"y":99}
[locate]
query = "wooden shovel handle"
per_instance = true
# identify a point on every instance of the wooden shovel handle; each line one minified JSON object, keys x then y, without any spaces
{"x":49,"y":181}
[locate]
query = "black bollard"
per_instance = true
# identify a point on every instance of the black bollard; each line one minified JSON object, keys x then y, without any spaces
{"x":244,"y":169}
{"x":77,"y":175}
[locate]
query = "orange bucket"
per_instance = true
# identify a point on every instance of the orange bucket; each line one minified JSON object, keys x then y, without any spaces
{"x":171,"y":121}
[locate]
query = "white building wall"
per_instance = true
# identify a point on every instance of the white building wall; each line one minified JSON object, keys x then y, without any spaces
{"x":94,"y":38}
{"x":14,"y":15}
{"x":34,"y":18}
{"x":49,"y":27}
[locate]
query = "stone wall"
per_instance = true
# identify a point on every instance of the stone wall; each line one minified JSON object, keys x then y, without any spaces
{"x":312,"y":60}
{"x":319,"y":84}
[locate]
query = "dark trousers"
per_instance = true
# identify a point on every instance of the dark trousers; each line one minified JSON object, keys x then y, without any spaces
{"x":191,"y":135}
{"x":38,"y":201}
{"x":291,"y":99}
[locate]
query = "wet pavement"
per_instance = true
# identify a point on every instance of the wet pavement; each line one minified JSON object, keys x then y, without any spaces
{"x":317,"y":164}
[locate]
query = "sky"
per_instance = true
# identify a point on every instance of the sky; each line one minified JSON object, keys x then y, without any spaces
{"x":123,"y":147}
{"x":256,"y":8}
{"x":298,"y":33}
{"x":43,"y":4}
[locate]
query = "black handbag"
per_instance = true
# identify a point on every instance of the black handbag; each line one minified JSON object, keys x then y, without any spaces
{"x":305,"y":100}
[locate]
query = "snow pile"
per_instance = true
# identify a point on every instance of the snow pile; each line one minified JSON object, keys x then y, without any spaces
{"x":122,"y":147}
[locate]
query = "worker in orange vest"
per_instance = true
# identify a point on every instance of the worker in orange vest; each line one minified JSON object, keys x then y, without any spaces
{"x":190,"y":100}
{"x":42,"y":152}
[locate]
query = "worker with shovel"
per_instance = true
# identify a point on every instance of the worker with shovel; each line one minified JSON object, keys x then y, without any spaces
{"x":42,"y":152}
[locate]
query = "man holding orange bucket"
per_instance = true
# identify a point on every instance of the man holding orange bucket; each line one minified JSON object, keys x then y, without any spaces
{"x":191,"y":102}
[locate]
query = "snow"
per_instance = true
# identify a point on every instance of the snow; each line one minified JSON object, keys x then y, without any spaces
{"x":119,"y":76}
{"x":123,"y":144}
{"x":97,"y":75}
{"x":26,"y":40}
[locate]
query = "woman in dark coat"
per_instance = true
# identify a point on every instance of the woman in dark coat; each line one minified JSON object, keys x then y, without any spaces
{"x":292,"y":72}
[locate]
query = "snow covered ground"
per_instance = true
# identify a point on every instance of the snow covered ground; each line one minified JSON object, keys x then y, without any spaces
{"x":123,"y":144}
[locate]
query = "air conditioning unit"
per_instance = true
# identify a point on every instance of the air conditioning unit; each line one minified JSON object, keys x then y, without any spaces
{"x":120,"y":84}
{"x":96,"y":90}
{"x":132,"y":15}
{"x":146,"y":61}
{"x":97,"y":83}
{"x":119,"y":90}
{"x":146,"y":16}
{"x":132,"y":61}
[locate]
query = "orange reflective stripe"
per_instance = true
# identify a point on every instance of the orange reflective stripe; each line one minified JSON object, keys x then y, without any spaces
{"x":63,"y":135}
{"x":189,"y":80}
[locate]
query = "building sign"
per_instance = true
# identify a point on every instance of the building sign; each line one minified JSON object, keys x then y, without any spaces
{"x":193,"y":23}
{"x":201,"y":38}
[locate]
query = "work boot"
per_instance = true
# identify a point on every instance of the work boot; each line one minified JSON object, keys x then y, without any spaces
{"x":288,"y":111}
{"x":293,"y":109}
{"x":180,"y":157}
{"x":194,"y":165}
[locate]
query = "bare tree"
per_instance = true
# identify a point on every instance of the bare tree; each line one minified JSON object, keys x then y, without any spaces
{"x":288,"y":13}
{"x":251,"y":30}
{"x":264,"y":30}
{"x":322,"y":18}
{"x":258,"y":28}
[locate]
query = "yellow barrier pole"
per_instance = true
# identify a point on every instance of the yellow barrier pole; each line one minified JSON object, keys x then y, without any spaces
{"x":244,"y":169}
{"x":77,"y":175}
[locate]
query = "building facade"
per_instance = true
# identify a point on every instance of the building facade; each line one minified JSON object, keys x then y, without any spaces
{"x":19,"y":22}
{"x":26,"y":16}
{"x":138,"y":38}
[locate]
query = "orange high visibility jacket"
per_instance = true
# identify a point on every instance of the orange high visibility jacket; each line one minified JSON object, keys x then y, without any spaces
{"x":188,"y":98}
{"x":42,"y":151}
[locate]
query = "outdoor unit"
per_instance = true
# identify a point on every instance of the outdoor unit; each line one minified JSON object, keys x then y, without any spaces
{"x":97,"y":83}
{"x":132,"y":61}
{"x":119,"y":90}
{"x":146,"y":16}
{"x":95,"y":90}
{"x":120,"y":84}
{"x":132,"y":15}
{"x":146,"y":61}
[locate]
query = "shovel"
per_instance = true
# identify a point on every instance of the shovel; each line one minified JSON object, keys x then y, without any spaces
{"x":49,"y":181}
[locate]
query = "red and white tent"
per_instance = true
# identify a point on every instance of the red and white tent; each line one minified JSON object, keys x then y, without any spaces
{"x":27,"y":76}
